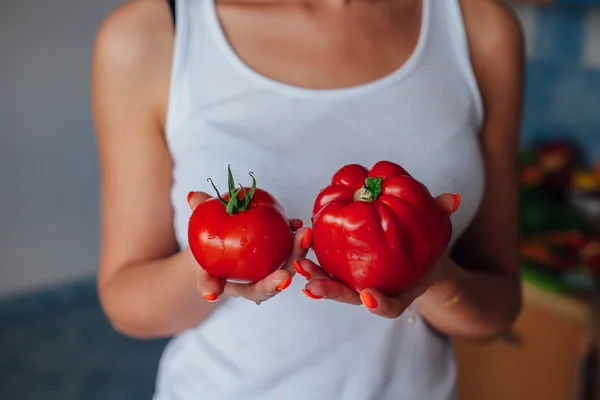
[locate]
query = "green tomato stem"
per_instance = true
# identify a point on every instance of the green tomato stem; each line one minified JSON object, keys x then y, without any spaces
{"x":233,"y":205}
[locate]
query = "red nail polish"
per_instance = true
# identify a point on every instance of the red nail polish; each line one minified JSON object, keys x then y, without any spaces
{"x":189,"y":196}
{"x":311,"y":295}
{"x":283,"y":285}
{"x":300,"y":270}
{"x":368,"y":300}
{"x":306,"y":239}
{"x":456,"y":202}
{"x":211,"y":297}
{"x":297,"y":225}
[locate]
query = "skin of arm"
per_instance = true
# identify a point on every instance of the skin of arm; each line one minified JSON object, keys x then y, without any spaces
{"x":147,"y":286}
{"x":485,"y":292}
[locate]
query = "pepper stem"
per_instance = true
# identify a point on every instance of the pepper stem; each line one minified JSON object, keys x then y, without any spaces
{"x":233,"y":205}
{"x":371,"y":191}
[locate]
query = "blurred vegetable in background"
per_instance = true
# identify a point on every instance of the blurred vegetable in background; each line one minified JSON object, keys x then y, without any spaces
{"x":559,"y":204}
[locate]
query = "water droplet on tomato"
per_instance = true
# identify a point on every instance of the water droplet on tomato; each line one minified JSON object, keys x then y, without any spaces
{"x":243,"y":241}
{"x":255,"y":250}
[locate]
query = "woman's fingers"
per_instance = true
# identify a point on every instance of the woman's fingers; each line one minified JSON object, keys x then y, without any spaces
{"x":209,"y":287}
{"x":262,"y":290}
{"x":195,"y":198}
{"x":212,"y":288}
{"x":321,"y":286}
{"x":449,"y":201}
{"x":295,"y":224}
{"x":382,"y":305}
{"x":302,"y":242}
{"x":280,"y":279}
{"x":331,"y":290}
{"x":309,"y":270}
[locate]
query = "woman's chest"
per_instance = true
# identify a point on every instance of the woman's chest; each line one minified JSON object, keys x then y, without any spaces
{"x":320,"y":46}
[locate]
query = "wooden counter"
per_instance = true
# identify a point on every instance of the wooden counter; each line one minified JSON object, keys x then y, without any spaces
{"x":548,"y":356}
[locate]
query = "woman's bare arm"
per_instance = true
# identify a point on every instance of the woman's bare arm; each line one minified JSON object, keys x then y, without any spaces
{"x":147,"y":287}
{"x":483,"y":297}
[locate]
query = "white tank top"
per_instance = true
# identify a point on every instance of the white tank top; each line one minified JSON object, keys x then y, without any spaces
{"x":426,"y":116}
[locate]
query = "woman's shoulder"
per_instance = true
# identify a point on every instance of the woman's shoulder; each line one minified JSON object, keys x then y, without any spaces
{"x":496,"y":44}
{"x":135,"y":31}
{"x":491,"y":25}
{"x":133,"y":50}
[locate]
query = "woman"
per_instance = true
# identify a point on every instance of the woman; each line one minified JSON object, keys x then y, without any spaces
{"x":292,"y":90}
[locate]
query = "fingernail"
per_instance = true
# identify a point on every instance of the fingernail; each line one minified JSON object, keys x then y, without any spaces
{"x":368,"y":300}
{"x":306,"y":239}
{"x":456,"y":202}
{"x":311,"y":295}
{"x":297,"y":225}
{"x":283,"y":285}
{"x":211,"y":297}
{"x":300,"y":270}
{"x":189,"y":196}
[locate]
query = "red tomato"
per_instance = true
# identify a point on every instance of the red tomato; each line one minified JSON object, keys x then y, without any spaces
{"x":378,"y":229}
{"x":241,"y":236}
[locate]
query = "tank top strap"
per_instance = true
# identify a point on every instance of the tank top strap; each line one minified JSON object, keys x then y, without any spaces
{"x":450,"y":15}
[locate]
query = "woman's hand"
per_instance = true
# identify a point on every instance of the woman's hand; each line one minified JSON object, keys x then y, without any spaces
{"x":212,"y":288}
{"x":321,"y":286}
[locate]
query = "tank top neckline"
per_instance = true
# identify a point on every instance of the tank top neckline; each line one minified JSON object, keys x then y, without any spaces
{"x":226,"y":50}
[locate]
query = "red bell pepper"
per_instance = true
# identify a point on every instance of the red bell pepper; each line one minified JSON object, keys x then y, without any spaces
{"x":378,"y":229}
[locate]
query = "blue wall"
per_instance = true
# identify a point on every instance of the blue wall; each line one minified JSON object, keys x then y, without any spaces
{"x":562,"y":95}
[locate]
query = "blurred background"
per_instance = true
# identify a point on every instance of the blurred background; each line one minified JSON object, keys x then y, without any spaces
{"x":56,"y":344}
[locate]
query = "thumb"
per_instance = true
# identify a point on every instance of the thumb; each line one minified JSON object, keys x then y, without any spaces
{"x":195,"y":198}
{"x":449,"y":202}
